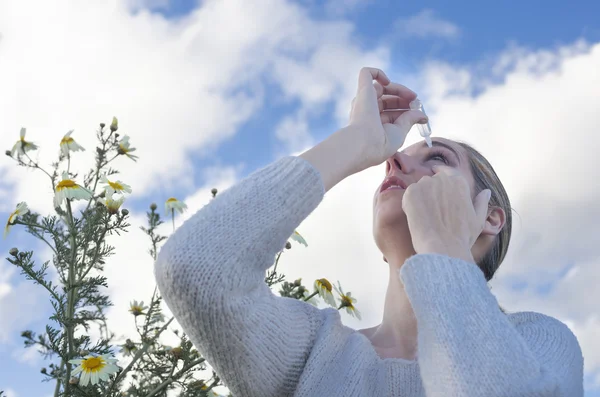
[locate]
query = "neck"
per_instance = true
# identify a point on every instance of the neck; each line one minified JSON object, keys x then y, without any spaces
{"x":398,"y":328}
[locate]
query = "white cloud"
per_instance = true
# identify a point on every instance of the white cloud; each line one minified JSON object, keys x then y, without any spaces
{"x":10,"y":393}
{"x":426,"y":24}
{"x":171,"y":84}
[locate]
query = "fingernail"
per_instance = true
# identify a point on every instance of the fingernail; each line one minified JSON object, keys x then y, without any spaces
{"x":423,"y":120}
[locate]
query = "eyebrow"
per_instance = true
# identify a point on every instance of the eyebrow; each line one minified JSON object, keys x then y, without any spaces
{"x":442,"y":144}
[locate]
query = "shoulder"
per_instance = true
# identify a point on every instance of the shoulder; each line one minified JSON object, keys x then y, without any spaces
{"x":546,"y":335}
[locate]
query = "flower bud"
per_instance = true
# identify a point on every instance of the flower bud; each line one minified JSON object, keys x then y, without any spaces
{"x":102,"y":125}
{"x":153,"y":206}
{"x":298,"y":282}
{"x":73,"y":381}
{"x":22,"y":255}
{"x":13,"y":251}
{"x":125,"y":211}
{"x":214,"y":191}
{"x":288,"y":245}
{"x":114,"y":125}
{"x":83,"y":352}
{"x":26,"y":334}
{"x":8,"y":153}
{"x":44,"y":371}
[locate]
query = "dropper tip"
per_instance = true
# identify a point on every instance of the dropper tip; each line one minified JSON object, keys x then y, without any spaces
{"x":428,"y":140}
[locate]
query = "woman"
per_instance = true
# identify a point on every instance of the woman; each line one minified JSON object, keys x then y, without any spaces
{"x":442,"y":333}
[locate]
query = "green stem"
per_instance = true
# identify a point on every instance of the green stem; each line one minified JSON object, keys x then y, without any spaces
{"x":173,"y":217}
{"x":71,"y":294}
{"x":310,"y":296}
{"x":172,"y":378}
{"x":57,"y":388}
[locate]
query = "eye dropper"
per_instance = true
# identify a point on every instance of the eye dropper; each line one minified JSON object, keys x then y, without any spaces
{"x":424,"y":129}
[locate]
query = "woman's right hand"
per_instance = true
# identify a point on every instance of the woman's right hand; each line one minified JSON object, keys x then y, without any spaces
{"x":375,"y":125}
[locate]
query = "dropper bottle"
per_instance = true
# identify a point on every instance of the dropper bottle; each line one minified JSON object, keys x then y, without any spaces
{"x":424,"y":129}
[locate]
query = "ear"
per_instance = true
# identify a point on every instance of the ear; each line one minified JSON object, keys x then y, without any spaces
{"x":494,"y":222}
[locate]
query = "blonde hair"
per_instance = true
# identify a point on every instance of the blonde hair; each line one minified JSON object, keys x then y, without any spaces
{"x":486,"y":178}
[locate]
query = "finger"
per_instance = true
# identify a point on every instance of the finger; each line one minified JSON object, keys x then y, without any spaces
{"x":392,"y":102}
{"x":378,"y":89}
{"x":438,"y":168}
{"x":481,"y":204}
{"x":399,"y":90}
{"x":410,"y":118}
{"x":367,"y":75}
{"x":390,"y":116}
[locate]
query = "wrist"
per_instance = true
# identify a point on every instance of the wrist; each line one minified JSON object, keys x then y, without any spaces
{"x":448,"y":250}
{"x":333,"y":158}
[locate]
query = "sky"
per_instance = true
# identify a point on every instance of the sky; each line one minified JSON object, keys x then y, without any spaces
{"x":211,"y":91}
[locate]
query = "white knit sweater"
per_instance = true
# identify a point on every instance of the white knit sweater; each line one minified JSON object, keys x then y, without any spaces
{"x":211,"y":274}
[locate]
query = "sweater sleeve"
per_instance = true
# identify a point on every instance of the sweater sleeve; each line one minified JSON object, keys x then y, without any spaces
{"x":468,"y":347}
{"x":211,"y":274}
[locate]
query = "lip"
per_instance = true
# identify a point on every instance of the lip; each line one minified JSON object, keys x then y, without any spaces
{"x":392,"y":180}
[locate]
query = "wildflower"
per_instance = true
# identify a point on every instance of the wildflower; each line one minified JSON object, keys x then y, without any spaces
{"x":128,"y":348}
{"x":21,"y":210}
{"x":347,"y":302}
{"x":68,"y":189}
{"x":114,"y":125}
{"x":22,"y":146}
{"x":323,"y":287}
{"x":94,"y":368}
{"x":114,"y":186}
{"x":124,"y":147}
{"x":68,"y":144}
{"x":298,"y":238}
{"x":137,"y":308}
{"x":173,"y":204}
{"x":111,"y":204}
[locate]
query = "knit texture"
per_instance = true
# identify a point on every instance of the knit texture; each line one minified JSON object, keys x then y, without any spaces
{"x":211,"y":273}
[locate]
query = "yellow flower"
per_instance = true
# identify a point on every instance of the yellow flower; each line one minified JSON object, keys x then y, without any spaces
{"x":173,"y":204}
{"x":126,"y":149}
{"x":111,"y":204}
{"x":137,"y":308}
{"x":298,"y":238}
{"x":68,"y":144}
{"x":114,"y":186}
{"x":347,"y":302}
{"x":20,"y":210}
{"x":94,"y":368}
{"x":68,"y":189}
{"x":324,"y":288}
{"x":22,"y":146}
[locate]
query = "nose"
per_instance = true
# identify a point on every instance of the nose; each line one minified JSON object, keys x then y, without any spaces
{"x":399,"y":162}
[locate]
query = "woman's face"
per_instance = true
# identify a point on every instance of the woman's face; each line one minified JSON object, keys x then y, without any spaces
{"x":410,"y":166}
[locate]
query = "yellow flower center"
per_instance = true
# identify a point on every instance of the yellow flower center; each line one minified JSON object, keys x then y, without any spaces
{"x":66,"y":140}
{"x":66,"y":184}
{"x":347,"y":302}
{"x":325,"y":283}
{"x":171,"y":200}
{"x":123,"y":148}
{"x":116,"y":185}
{"x":93,"y":364}
{"x":136,"y":310}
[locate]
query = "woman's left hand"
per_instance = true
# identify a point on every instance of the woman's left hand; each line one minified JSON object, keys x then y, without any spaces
{"x":442,"y":217}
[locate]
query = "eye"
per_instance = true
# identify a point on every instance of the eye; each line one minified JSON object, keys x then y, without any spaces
{"x":438,"y":154}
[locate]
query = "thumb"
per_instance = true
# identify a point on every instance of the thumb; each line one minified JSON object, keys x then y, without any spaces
{"x":410,"y":118}
{"x":481,"y":205}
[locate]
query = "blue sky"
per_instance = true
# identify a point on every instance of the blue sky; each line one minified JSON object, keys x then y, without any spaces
{"x":464,"y":36}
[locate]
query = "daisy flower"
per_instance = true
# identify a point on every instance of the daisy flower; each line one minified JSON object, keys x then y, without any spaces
{"x":125,"y":148}
{"x":68,"y":189}
{"x":114,"y":186}
{"x":324,"y":288}
{"x":347,"y":301}
{"x":172,"y":204}
{"x":22,"y":146}
{"x":68,"y":144}
{"x":128,"y":348}
{"x":137,"y":308}
{"x":111,"y":204}
{"x":94,"y":368}
{"x":298,"y":238}
{"x":20,"y":210}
